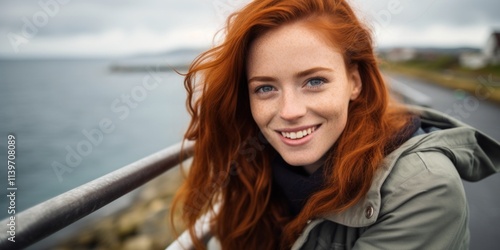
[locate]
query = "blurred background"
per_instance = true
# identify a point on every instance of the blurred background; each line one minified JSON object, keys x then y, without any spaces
{"x":87,"y":87}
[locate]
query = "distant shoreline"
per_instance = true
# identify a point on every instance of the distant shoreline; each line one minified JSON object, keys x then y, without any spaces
{"x":146,"y":68}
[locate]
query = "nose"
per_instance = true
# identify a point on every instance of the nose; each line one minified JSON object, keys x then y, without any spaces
{"x":292,"y":107}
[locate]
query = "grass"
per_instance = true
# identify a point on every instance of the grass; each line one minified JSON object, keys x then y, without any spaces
{"x":484,"y":83}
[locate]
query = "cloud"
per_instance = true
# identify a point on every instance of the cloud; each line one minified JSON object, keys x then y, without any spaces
{"x":117,"y":42}
{"x":423,"y":13}
{"x":433,"y":36}
{"x":120,"y":27}
{"x":430,"y":22}
{"x":106,"y":28}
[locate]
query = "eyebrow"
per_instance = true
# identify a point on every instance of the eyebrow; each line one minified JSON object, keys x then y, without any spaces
{"x":311,"y":71}
{"x":297,"y":75}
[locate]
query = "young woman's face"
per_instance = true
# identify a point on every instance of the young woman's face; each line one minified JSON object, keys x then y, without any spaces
{"x":299,"y":92}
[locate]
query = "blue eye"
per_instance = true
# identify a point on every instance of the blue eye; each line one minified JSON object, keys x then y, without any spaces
{"x":315,"y":82}
{"x":264,"y":89}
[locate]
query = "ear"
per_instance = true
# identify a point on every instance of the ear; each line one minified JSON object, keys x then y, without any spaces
{"x":355,"y":82}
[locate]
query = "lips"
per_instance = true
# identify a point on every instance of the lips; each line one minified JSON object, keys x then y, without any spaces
{"x":299,"y":133}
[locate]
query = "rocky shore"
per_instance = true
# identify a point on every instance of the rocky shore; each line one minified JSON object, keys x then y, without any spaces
{"x":145,"y":224}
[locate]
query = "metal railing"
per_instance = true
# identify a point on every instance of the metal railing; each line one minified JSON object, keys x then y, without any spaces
{"x":59,"y":212}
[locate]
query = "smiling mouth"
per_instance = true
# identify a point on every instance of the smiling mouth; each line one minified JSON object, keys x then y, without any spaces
{"x":295,"y":135}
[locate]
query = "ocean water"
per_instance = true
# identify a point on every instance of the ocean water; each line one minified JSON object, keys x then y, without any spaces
{"x":80,"y":116}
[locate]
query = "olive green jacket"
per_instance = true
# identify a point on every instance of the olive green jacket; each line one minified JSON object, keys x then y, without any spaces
{"x":416,"y":200}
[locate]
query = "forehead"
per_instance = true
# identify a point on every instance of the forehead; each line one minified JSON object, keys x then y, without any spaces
{"x":292,"y":46}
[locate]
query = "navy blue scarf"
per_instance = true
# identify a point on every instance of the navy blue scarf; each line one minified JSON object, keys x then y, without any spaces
{"x":295,"y":183}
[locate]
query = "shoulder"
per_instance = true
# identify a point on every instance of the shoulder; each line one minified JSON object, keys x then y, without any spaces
{"x":424,"y":193}
{"x":427,"y":163}
{"x":416,"y":202}
{"x":422,"y":203}
{"x":428,"y":173}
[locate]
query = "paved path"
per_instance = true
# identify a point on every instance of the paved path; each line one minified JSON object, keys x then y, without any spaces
{"x":483,"y":196}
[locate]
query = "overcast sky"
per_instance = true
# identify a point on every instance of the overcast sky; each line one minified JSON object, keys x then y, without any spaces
{"x":113,"y":27}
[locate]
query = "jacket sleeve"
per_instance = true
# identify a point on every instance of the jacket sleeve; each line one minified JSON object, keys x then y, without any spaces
{"x":423,"y":207}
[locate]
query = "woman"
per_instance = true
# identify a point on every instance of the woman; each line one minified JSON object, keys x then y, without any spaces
{"x":298,"y":146}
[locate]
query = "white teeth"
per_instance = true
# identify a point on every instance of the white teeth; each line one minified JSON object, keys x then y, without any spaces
{"x":299,"y":134}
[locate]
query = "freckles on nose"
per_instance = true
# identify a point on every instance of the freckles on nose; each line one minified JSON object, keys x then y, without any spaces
{"x":291,"y":107}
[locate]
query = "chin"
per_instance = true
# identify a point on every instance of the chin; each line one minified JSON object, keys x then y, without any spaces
{"x":299,"y":162}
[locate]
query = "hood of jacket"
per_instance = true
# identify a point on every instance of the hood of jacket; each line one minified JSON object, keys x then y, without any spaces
{"x":474,"y":154}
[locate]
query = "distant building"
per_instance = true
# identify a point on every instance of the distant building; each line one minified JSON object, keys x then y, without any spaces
{"x":473,"y":60}
{"x":492,"y":49}
{"x":490,"y":54}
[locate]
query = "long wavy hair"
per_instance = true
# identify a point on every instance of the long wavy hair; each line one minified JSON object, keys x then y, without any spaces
{"x":231,"y":163}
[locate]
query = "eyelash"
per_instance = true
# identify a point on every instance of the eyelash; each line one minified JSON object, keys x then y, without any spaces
{"x":321,"y":79}
{"x":259,"y":90}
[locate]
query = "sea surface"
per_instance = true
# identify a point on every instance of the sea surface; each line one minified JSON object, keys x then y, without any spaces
{"x":77,"y":120}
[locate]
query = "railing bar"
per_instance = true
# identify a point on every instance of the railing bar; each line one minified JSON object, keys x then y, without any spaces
{"x":55,"y":214}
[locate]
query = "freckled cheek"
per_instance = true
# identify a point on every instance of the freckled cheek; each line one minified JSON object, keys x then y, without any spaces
{"x":328,"y":107}
{"x":260,"y":113}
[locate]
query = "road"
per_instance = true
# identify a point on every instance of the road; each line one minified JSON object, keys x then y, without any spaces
{"x":483,"y":197}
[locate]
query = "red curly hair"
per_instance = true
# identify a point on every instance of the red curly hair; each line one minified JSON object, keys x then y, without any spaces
{"x":231,"y":163}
